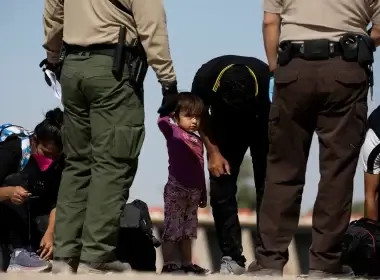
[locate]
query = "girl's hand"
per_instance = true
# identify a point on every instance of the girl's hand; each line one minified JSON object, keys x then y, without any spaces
{"x":203,"y":204}
{"x":203,"y":201}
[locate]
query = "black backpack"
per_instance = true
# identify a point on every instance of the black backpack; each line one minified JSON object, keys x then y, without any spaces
{"x":361,"y":247}
{"x":136,"y":240}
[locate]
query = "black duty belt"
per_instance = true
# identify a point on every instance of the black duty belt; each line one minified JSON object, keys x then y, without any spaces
{"x":102,"y":49}
{"x":313,"y":49}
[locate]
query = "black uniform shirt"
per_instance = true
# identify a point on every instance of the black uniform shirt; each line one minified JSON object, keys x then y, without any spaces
{"x":206,"y":77}
{"x":235,"y":124}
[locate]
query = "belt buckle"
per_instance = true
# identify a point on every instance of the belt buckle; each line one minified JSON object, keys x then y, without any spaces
{"x":317,"y":49}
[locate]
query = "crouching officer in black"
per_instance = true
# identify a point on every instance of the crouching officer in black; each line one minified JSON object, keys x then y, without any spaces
{"x":235,"y":89}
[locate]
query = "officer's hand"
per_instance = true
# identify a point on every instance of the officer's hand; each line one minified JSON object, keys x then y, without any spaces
{"x":55,"y":68}
{"x":169,"y":100}
{"x":46,"y":246}
{"x":168,"y":106}
{"x":218,"y":165}
{"x":18,"y":195}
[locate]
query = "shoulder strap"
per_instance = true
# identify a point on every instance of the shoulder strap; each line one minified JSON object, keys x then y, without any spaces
{"x":121,"y":7}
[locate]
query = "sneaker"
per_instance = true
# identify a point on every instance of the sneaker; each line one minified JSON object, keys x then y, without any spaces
{"x":195,"y":269}
{"x":103,"y":268}
{"x":255,"y":269}
{"x":172,"y":268}
{"x":24,"y":261}
{"x":229,"y":266}
{"x":346,"y":272}
{"x":64,"y":265}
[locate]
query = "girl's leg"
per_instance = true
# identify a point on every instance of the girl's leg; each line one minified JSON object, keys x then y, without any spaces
{"x":190,"y":233}
{"x":173,"y":222}
{"x":168,"y":252}
{"x":186,"y":252}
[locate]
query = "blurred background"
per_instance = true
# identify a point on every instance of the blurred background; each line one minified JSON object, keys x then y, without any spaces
{"x":198,"y":31}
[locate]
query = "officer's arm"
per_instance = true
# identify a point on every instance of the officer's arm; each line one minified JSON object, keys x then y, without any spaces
{"x":375,"y":19}
{"x":371,"y":183}
{"x":205,"y":131}
{"x":199,"y":87}
{"x":271,"y":30}
{"x":150,"y":19}
{"x":53,"y":28}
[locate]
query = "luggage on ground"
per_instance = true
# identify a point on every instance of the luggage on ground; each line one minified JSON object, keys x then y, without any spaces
{"x":136,"y":240}
{"x":361,"y":247}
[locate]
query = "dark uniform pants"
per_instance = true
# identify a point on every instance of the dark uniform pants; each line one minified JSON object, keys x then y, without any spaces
{"x":103,"y":133}
{"x":330,"y":98}
{"x":233,"y":144}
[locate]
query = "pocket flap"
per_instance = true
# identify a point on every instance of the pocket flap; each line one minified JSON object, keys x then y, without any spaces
{"x":351,"y":77}
{"x":285,"y":76}
{"x":274,"y":113}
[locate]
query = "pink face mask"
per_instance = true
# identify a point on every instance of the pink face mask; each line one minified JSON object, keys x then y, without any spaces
{"x":43,"y":162}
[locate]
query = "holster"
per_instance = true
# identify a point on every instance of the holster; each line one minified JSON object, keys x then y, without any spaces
{"x":358,"y":48}
{"x":367,"y":48}
{"x":137,"y":63}
{"x":285,"y":53}
{"x":61,"y":59}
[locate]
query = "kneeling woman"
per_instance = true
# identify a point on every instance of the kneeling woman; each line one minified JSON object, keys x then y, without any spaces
{"x":31,"y":165}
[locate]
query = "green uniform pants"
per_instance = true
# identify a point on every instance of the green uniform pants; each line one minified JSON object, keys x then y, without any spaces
{"x":102,"y":134}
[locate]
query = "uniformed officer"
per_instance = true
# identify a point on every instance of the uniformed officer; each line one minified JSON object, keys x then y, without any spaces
{"x":103,"y":117}
{"x":322,"y":76}
{"x":235,"y":89}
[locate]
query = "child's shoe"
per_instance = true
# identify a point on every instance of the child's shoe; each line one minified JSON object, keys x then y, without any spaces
{"x":195,"y":269}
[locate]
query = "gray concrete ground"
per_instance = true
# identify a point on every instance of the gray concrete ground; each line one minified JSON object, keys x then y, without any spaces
{"x":35,"y":276}
{"x":126,"y":276}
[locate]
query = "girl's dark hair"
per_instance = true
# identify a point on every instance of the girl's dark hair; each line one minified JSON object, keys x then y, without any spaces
{"x":50,"y":128}
{"x":189,"y":104}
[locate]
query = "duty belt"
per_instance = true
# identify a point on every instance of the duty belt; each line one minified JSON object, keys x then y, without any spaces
{"x":102,"y":49}
{"x":309,"y":50}
{"x":333,"y":49}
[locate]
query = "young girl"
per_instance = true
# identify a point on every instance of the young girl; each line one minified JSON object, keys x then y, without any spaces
{"x":185,"y":190}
